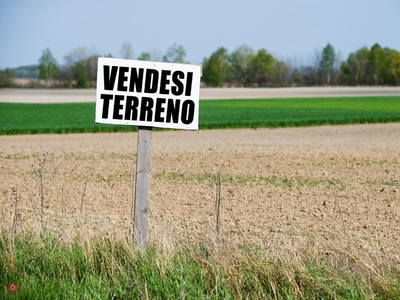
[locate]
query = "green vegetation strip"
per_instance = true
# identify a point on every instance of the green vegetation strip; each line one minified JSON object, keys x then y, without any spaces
{"x":46,"y":268}
{"x":245,"y":113}
{"x":288,"y":182}
{"x":298,"y":112}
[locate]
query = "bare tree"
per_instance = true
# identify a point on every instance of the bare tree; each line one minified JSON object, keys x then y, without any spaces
{"x":81,"y":63}
{"x":155,"y":54}
{"x":175,"y":54}
{"x":126,"y":51}
{"x":76,"y":55}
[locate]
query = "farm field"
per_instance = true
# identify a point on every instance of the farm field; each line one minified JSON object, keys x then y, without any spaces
{"x":326,"y":191}
{"x":89,"y":95}
{"x":285,"y":186}
{"x":37,"y":118}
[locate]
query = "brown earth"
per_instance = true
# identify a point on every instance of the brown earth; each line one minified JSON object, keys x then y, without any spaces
{"x":89,"y":95}
{"x":281,"y":188}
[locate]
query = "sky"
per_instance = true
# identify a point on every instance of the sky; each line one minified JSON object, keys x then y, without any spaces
{"x":291,"y":30}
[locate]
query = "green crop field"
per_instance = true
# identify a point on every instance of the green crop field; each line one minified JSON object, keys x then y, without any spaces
{"x":298,"y":112}
{"x":246,"y":113}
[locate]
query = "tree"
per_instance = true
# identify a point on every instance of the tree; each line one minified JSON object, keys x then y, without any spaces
{"x":81,"y":78}
{"x":309,"y":75}
{"x":79,"y":62}
{"x":354,"y":69}
{"x":394,"y":68}
{"x":264,"y":65}
{"x":175,"y":54}
{"x":48,"y":67}
{"x":296,"y":77}
{"x":90,"y":69}
{"x":6,"y":78}
{"x":216,"y":69}
{"x":75,"y":55}
{"x":327,"y":62}
{"x":282,"y":77}
{"x":211,"y":74}
{"x":127,"y":51}
{"x":144,"y":56}
{"x":71,"y":59}
{"x":378,"y":63}
{"x":242,"y":61}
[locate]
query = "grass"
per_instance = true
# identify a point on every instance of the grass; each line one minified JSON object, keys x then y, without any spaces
{"x":79,"y":117}
{"x":288,"y":182}
{"x":48,"y":267}
{"x":45,"y":268}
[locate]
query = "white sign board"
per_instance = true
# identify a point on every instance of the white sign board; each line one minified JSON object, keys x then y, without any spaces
{"x":143,"y":93}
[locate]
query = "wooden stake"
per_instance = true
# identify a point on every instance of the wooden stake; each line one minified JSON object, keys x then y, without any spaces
{"x":142,"y":187}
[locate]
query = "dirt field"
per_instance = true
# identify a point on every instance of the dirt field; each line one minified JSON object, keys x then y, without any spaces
{"x":281,"y":188}
{"x":89,"y":95}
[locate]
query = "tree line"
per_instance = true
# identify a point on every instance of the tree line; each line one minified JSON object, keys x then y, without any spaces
{"x":243,"y":67}
{"x":80,"y":67}
{"x":248,"y":68}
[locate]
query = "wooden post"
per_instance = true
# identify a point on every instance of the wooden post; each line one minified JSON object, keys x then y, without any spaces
{"x":142,"y":187}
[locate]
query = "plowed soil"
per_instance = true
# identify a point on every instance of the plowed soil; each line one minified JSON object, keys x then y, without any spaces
{"x":288,"y":187}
